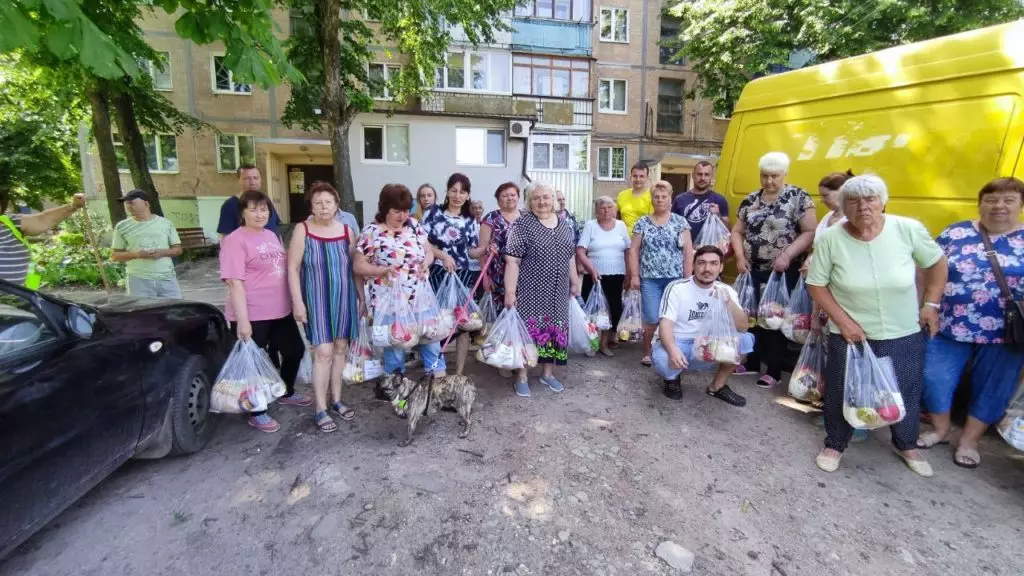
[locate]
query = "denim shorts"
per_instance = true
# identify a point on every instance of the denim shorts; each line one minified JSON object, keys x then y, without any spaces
{"x":659,"y":357}
{"x":433,"y":359}
{"x":995,"y":372}
{"x":145,"y":288}
{"x":651,"y":290}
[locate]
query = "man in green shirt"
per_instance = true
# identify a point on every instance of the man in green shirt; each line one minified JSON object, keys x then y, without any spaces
{"x":147,"y":242}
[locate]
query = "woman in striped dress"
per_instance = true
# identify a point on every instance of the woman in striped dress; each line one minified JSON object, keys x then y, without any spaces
{"x":324,"y":295}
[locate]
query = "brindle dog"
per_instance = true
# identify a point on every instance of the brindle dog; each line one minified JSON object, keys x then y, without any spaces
{"x":428,"y":396}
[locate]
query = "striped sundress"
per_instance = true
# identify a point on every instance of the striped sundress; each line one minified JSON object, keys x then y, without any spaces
{"x":328,"y":288}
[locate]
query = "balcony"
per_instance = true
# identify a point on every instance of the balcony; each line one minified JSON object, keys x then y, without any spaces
{"x":479,"y":105}
{"x":551,"y":37}
{"x":553,"y":112}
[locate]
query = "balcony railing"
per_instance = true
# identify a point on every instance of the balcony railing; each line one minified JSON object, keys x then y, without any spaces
{"x":555,"y":111}
{"x":481,"y":105}
{"x":552,"y":37}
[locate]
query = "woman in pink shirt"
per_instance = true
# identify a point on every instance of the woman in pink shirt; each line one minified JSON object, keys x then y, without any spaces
{"x":253,"y":264}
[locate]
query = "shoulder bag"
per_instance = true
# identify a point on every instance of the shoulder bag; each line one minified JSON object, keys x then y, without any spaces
{"x":1014,"y":315}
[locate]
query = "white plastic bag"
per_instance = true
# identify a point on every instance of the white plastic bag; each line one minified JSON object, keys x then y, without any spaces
{"x":714,"y":233}
{"x":871,"y":396}
{"x":583,"y":334}
{"x":305,"y":375}
{"x":597,"y":308}
{"x":807,"y":383}
{"x":362,"y":363}
{"x":771,"y":311}
{"x":394,"y":325}
{"x":453,"y":295}
{"x":489,"y":314}
{"x":744,"y":288}
{"x":717,"y":339}
{"x":435,"y":323}
{"x":248,"y":382}
{"x":509,"y":344}
{"x":1011,"y":427}
{"x":631,"y":325}
{"x":796,"y":324}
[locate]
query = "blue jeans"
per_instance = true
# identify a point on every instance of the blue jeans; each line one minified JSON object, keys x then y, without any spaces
{"x":659,"y":356}
{"x":994,"y":376}
{"x":394,"y":358}
{"x":651,"y":290}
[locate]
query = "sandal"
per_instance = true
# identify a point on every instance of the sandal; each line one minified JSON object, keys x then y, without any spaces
{"x":818,"y":404}
{"x":343,"y":412}
{"x":608,"y":352}
{"x":726,"y":395}
{"x":928,"y":440}
{"x":966,"y":458}
{"x":766,"y":381}
{"x":324,"y":422}
{"x":646,"y":361}
{"x":920,"y":467}
{"x":826,"y":462}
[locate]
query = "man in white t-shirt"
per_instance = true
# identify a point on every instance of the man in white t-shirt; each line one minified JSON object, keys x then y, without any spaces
{"x":684,"y":308}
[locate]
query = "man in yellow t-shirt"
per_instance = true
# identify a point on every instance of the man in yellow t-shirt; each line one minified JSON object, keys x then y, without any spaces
{"x":635,"y":203}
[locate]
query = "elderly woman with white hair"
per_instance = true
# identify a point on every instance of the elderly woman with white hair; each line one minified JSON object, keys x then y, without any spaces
{"x":864,"y":276}
{"x":602,"y":250}
{"x":540,"y":278}
{"x":773,"y":230}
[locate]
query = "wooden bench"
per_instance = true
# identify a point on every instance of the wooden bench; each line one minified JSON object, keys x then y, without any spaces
{"x":194,"y":240}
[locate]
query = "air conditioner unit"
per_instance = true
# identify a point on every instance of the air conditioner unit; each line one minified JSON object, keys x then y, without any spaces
{"x":518,"y":129}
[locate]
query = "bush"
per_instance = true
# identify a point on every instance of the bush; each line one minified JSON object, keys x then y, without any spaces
{"x":67,"y":259}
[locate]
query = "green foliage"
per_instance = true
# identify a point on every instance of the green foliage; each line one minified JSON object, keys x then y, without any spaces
{"x":729,"y":43}
{"x":67,"y":258}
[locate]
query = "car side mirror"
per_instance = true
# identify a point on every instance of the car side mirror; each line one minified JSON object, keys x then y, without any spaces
{"x":80,"y":322}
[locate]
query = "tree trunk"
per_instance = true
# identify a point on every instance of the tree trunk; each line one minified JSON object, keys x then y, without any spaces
{"x":133,"y":144}
{"x":335,"y":104}
{"x":105,"y":149}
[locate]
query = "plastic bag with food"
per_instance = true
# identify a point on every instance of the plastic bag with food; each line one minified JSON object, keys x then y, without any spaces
{"x":717,"y":340}
{"x":714,"y":233}
{"x":435,"y":323}
{"x":394,"y":325}
{"x":796,"y":324}
{"x":248,"y":382}
{"x":509,"y":344}
{"x":454,"y":297}
{"x":771,"y":311}
{"x":583,"y":333}
{"x":807,"y":383}
{"x":1011,"y":427}
{"x":871,"y":396}
{"x":488,"y":313}
{"x":362,"y":363}
{"x":744,"y":287}
{"x":597,"y":308}
{"x":631,"y":325}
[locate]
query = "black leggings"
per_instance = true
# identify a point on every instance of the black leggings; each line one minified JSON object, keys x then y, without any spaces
{"x":611,"y":285}
{"x":770,"y":346}
{"x":279,"y":337}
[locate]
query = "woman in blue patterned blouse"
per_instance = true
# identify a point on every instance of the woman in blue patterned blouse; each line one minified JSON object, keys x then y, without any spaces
{"x":971,"y":320}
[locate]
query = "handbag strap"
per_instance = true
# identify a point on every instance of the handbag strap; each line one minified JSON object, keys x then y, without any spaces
{"x":997,"y":270}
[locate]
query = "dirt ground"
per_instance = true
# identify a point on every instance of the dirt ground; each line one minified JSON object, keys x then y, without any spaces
{"x":586,"y":482}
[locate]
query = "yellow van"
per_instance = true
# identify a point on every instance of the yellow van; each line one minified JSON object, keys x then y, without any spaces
{"x":936,"y":120}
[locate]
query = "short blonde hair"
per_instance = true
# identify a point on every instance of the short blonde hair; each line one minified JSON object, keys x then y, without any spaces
{"x":534,"y":187}
{"x":664,"y":185}
{"x":604,"y":200}
{"x":774,"y":163}
{"x":865,"y":186}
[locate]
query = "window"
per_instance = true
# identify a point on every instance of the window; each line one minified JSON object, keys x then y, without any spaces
{"x":669,"y":43}
{"x":479,"y":147}
{"x":572,"y":10}
{"x":565,"y":152}
{"x":670,"y":105}
{"x":161,"y":152}
{"x":388,"y":143}
{"x":233,"y":150}
{"x":381,"y":77}
{"x":544,"y":76}
{"x":21,"y":327}
{"x":474,"y":71}
{"x":611,"y":96}
{"x":224,"y":79}
{"x":611,"y":163}
{"x":614,"y":25}
{"x":160,"y":72}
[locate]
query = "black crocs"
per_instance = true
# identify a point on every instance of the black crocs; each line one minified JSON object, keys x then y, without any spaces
{"x":726,"y":394}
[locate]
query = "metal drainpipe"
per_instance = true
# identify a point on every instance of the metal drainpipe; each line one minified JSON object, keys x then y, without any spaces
{"x":526,"y":151}
{"x":643,"y":81}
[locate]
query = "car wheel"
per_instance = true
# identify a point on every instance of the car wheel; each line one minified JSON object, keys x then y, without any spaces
{"x":191,"y":424}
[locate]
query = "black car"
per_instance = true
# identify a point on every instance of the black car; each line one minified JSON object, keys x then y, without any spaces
{"x":85,"y":387}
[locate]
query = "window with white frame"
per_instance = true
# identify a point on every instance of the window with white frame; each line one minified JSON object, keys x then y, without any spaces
{"x":479,"y":147}
{"x":571,"y":10}
{"x":546,"y":76}
{"x":160,"y":72}
{"x":475,"y":72}
{"x":611,"y":95}
{"x":233,"y":150}
{"x":381,"y":77}
{"x":614,"y":25}
{"x":611,"y":163}
{"x":561,"y":152}
{"x":386,"y":143}
{"x":161,"y":152}
{"x":224,"y":79}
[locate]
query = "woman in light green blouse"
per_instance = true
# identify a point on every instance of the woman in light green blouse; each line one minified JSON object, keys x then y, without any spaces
{"x":864,"y":277}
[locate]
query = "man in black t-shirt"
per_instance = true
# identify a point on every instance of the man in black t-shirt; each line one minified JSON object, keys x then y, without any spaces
{"x":249,"y":178}
{"x":701,"y":202}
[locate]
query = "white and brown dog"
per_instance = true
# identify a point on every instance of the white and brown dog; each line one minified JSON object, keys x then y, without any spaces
{"x":428,"y":396}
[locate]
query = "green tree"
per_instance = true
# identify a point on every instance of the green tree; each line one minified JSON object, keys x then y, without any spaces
{"x":334,"y":51}
{"x":729,"y":43}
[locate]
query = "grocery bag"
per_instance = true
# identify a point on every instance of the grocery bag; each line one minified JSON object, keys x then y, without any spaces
{"x":305,"y":375}
{"x":394,"y":325}
{"x":717,"y":339}
{"x":597,"y":308}
{"x":714,"y":233}
{"x":362,"y":363}
{"x":453,"y":295}
{"x":631,"y":325}
{"x":488,"y":313}
{"x":1011,"y":427}
{"x":583,"y":333}
{"x":771,"y":311}
{"x":796,"y":323}
{"x":871,"y":396}
{"x":248,"y":382}
{"x":807,"y":383}
{"x":744,"y":288}
{"x":435,"y":323}
{"x":509,"y":345}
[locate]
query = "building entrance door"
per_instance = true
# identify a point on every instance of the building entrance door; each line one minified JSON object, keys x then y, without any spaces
{"x":680,"y":182}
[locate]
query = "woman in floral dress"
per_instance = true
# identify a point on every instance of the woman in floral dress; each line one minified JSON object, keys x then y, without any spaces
{"x":493,"y":230}
{"x":540,"y":278}
{"x":774,"y":229}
